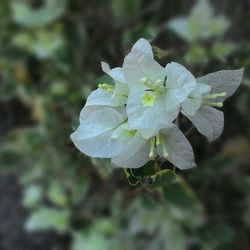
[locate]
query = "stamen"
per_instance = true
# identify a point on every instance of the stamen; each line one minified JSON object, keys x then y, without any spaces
{"x":213,"y":96}
{"x":153,"y":86}
{"x":146,"y":82}
{"x":159,"y":82}
{"x":152,"y":147}
{"x":107,"y":87}
{"x":158,"y":140}
{"x":214,"y":104}
{"x":164,"y":148}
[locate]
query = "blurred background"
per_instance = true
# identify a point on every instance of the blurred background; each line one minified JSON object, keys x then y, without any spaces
{"x":54,"y":198}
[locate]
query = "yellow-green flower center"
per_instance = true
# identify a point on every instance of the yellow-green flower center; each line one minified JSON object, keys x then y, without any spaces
{"x":148,"y":99}
{"x":150,"y":94}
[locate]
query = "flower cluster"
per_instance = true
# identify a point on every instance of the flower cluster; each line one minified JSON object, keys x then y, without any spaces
{"x":133,"y":120}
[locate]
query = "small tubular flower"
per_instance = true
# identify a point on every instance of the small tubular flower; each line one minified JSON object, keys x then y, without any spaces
{"x":169,"y":144}
{"x":110,"y":94}
{"x":212,"y":90}
{"x":155,"y":92}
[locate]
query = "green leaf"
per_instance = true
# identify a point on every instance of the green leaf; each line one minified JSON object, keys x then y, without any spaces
{"x":180,"y":194}
{"x":144,"y":171}
{"x":164,"y":178}
{"x":59,"y":88}
{"x":220,"y":50}
{"x":92,"y":241}
{"x":32,"y":196}
{"x":42,"y":43}
{"x":196,"y":54}
{"x":133,"y":181}
{"x":9,"y":159}
{"x":49,"y":218}
{"x":160,"y":53}
{"x":57,"y":195}
{"x":124,"y":9}
{"x":78,"y":241}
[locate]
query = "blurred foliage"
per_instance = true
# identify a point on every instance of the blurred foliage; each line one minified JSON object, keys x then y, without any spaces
{"x":50,"y":53}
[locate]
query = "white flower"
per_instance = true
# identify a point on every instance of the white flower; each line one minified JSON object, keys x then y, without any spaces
{"x":170,"y":144}
{"x":131,"y":121}
{"x":201,"y":23}
{"x":155,"y":92}
{"x":107,"y":94}
{"x":211,"y":91}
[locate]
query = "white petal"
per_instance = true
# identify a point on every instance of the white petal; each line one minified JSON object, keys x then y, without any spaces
{"x":173,"y":99}
{"x":194,"y":101}
{"x":138,"y":65}
{"x":99,"y":97}
{"x":208,"y":121}
{"x":105,"y":67}
{"x":223,"y":81}
{"x":179,"y":149}
{"x":104,"y":98}
{"x":134,"y":155}
{"x":148,"y":120}
{"x":144,"y":46}
{"x":180,"y":27}
{"x":115,"y":73}
{"x":88,"y":110}
{"x":191,"y":105}
{"x":200,"y":90}
{"x":102,"y":146}
{"x":98,"y":123}
{"x":180,"y":79}
{"x":120,"y":95}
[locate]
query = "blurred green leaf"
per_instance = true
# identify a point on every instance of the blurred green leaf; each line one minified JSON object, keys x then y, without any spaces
{"x":124,"y":9}
{"x":9,"y":159}
{"x":221,"y":50}
{"x":145,"y":171}
{"x":42,"y":43}
{"x":57,"y":195}
{"x":164,"y":178}
{"x":49,"y":218}
{"x":180,"y":195}
{"x":160,"y":53}
{"x":93,"y":241}
{"x":32,"y":197}
{"x":196,"y":54}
